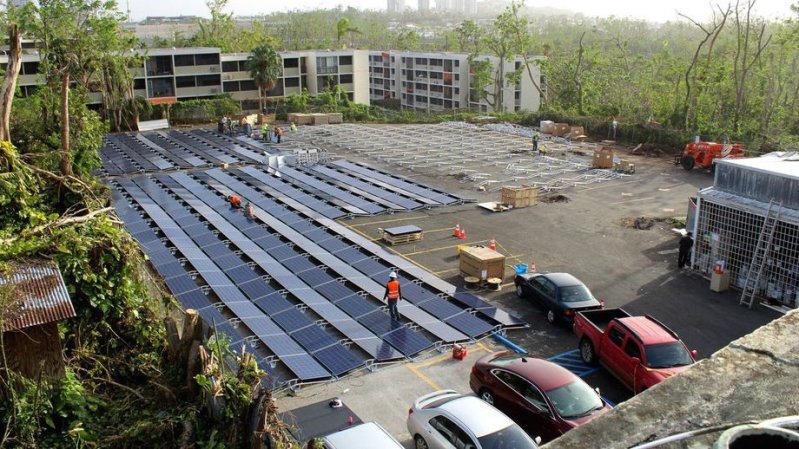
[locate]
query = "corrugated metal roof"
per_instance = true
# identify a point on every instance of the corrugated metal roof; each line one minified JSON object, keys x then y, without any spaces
{"x":778,"y":163}
{"x":40,"y":293}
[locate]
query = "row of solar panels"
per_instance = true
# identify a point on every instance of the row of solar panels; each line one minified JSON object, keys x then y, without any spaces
{"x":353,"y":188}
{"x":289,"y":286}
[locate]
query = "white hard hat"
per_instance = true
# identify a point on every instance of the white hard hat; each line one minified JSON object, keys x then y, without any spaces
{"x":393,"y":275}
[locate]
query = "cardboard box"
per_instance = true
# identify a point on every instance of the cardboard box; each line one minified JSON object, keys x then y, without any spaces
{"x":575,"y":131}
{"x":482,"y":263}
{"x":603,"y":158}
{"x":517,"y":197}
{"x":319,"y":119}
{"x":561,"y":129}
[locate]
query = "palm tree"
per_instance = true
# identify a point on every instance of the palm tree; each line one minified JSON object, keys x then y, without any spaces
{"x":343,"y":28}
{"x":265,"y":66}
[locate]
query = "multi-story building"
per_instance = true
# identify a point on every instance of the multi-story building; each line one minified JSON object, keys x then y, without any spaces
{"x":424,"y":5}
{"x":522,"y":95}
{"x":425,"y":81}
{"x":442,"y":81}
{"x":394,"y":6}
{"x":169,"y":75}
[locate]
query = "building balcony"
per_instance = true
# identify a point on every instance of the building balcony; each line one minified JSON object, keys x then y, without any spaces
{"x":199,"y":91}
{"x":196,"y":70}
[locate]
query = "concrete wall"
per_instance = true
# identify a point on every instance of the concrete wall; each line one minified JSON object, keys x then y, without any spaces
{"x":754,"y":378}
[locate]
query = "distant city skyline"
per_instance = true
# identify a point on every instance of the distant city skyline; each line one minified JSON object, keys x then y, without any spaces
{"x":652,"y":11}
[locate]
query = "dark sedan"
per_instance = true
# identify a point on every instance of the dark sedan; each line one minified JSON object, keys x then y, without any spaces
{"x":560,"y":294}
{"x":545,"y":399}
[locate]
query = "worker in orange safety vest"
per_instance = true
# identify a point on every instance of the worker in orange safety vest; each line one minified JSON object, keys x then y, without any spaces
{"x":393,"y":295}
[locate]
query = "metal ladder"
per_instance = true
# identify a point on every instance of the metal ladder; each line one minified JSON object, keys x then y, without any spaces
{"x":760,"y":253}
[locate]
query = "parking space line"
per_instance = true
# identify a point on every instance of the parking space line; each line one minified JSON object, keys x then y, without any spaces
{"x":632,"y":201}
{"x":392,"y":250}
{"x":442,"y":248}
{"x":388,"y":221}
{"x":423,"y":377}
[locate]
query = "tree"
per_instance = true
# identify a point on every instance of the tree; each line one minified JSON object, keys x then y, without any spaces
{"x":265,"y":67}
{"x":10,"y":80}
{"x":343,"y":29}
{"x":75,"y":37}
{"x":219,"y":30}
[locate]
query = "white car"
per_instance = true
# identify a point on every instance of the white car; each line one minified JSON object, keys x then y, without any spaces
{"x":370,"y":435}
{"x":448,"y":420}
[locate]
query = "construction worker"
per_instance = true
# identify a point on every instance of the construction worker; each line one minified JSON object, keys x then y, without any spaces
{"x":542,"y":149}
{"x":235,"y":201}
{"x":684,"y":256}
{"x":393,"y":295}
{"x":293,"y":127}
{"x":536,"y":136}
{"x":278,"y":133}
{"x":249,"y":212}
{"x":265,"y":131}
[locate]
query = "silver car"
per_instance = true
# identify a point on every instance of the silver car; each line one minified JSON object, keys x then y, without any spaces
{"x":448,"y":420}
{"x":370,"y":435}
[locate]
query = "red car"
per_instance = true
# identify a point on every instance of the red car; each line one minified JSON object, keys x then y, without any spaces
{"x":545,"y":399}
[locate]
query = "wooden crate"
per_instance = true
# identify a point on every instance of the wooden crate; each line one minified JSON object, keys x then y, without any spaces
{"x":517,"y":197}
{"x":482,"y":263}
{"x":403,"y":238}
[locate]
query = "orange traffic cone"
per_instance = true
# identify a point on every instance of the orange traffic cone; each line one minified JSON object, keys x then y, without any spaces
{"x":457,"y":232}
{"x":463,"y":234}
{"x":492,"y":245}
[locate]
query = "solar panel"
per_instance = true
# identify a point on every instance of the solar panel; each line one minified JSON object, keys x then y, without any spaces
{"x":292,"y":320}
{"x":396,"y":182}
{"x":313,"y":338}
{"x":469,"y":324}
{"x":273,"y":303}
{"x":338,"y":360}
{"x":383,"y":196}
{"x":355,"y":306}
{"x":406,"y":341}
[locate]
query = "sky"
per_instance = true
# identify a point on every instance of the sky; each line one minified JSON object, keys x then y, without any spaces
{"x":653,"y":10}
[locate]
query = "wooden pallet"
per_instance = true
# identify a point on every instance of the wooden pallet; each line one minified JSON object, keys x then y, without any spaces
{"x":402,"y":238}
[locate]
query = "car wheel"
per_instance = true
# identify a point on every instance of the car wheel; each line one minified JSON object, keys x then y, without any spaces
{"x":519,"y":291}
{"x":587,"y":351}
{"x":687,"y":162}
{"x":420,"y":442}
{"x":487,"y":396}
{"x":551,"y":317}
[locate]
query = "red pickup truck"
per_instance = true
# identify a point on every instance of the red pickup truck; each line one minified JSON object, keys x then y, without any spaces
{"x":639,"y":350}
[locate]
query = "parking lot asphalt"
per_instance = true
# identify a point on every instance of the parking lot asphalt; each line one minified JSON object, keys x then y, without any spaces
{"x":588,"y":236}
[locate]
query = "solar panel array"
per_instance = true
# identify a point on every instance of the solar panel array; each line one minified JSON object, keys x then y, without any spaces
{"x":290,"y":284}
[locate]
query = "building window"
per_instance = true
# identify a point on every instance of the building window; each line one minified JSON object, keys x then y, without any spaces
{"x":248,"y":85}
{"x":346,"y":79}
{"x":249,"y":105}
{"x":231,"y":86}
{"x":185,"y":81}
{"x":207,"y":59}
{"x":230,"y":66}
{"x":292,"y":82}
{"x":291,"y":63}
{"x":326,"y":64}
{"x":28,"y":68}
{"x":139,"y":84}
{"x":184,"y":60}
{"x":345,"y":60}
{"x":208,"y":80}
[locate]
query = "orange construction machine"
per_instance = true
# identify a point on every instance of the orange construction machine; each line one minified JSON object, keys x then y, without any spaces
{"x":702,"y":154}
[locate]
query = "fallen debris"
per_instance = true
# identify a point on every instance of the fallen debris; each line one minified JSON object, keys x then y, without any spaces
{"x":555,"y":199}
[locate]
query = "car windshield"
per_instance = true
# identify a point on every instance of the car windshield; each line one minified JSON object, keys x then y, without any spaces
{"x":575,"y":400}
{"x":667,"y":355}
{"x":575,"y":293}
{"x":511,"y":437}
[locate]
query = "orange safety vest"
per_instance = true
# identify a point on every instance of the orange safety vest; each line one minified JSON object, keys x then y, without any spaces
{"x":393,"y":289}
{"x":235,"y":200}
